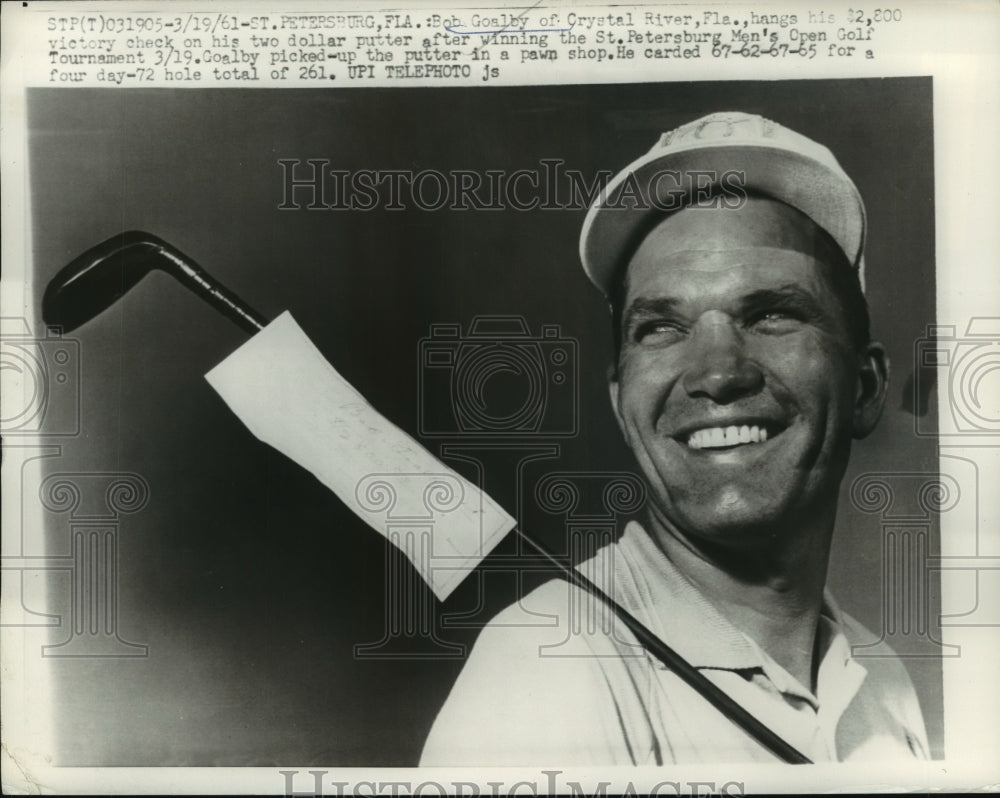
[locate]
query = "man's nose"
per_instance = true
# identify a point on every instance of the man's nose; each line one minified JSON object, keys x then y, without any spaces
{"x":718,"y":366}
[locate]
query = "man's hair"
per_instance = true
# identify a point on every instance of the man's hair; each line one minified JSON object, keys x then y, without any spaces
{"x":842,"y":276}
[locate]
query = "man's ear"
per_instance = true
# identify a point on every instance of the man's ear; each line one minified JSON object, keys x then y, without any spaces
{"x":873,"y":384}
{"x":613,"y":388}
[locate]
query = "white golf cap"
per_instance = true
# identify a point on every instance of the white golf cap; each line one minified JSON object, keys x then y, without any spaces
{"x":734,"y":151}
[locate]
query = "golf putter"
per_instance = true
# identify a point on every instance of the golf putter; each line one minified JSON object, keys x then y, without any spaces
{"x":104,"y":274}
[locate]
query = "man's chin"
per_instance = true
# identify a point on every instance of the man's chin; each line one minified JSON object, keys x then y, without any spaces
{"x":738,"y":537}
{"x":742,"y":529}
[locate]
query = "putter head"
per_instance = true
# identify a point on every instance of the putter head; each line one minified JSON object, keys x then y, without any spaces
{"x":103,"y":274}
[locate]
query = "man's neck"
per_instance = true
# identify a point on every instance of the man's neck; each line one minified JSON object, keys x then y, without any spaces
{"x":772,"y":593}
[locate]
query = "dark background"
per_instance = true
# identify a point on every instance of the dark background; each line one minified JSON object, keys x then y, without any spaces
{"x":248,"y":580}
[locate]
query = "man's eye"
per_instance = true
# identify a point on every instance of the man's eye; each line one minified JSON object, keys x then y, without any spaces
{"x":777,"y":320}
{"x":654,"y":331}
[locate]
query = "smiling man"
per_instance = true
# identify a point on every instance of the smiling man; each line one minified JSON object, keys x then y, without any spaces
{"x":744,"y":370}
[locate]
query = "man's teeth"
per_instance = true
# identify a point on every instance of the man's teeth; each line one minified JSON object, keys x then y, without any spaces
{"x":717,"y":437}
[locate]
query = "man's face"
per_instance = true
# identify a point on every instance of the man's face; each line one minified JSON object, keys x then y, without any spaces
{"x":739,"y":389}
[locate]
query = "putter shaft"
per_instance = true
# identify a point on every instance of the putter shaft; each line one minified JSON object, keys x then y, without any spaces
{"x":215,"y":293}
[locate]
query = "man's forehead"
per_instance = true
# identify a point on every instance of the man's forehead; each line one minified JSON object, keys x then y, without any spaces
{"x":728,"y":262}
{"x":758,"y":223}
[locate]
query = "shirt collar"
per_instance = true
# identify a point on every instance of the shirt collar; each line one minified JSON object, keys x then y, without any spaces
{"x":664,"y":599}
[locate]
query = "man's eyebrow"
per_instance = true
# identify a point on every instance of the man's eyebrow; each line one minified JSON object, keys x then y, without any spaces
{"x":786,"y":295}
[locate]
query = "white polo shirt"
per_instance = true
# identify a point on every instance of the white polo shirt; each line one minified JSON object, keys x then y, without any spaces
{"x":555,"y":679}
